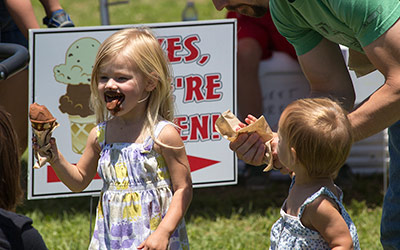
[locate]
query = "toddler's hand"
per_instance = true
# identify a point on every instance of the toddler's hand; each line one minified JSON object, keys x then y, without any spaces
{"x":274,"y":146}
{"x":249,"y":120}
{"x":277,"y":164}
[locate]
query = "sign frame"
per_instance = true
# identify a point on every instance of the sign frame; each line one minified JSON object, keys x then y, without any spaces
{"x":200,"y":176}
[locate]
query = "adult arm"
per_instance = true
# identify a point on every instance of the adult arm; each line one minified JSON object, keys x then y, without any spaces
{"x":381,"y":109}
{"x":23,"y":15}
{"x":328,"y":76}
{"x":326,"y":71}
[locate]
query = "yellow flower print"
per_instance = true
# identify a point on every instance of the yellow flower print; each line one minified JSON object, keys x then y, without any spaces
{"x":100,"y":213}
{"x":162,"y":170}
{"x":133,"y":209}
{"x":121,"y":173}
{"x":154,"y":222}
{"x":163,"y":174}
{"x":131,"y":198}
{"x":100,"y":134}
{"x":161,"y":162}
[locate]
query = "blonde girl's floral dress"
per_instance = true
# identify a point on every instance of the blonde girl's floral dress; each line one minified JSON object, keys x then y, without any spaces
{"x":136,"y":194}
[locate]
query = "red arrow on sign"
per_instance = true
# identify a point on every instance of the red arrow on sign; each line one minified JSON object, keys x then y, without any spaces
{"x":195,"y":163}
{"x":52,"y":177}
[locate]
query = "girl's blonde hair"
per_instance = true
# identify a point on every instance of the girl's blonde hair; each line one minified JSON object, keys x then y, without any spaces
{"x":320,"y":132}
{"x":142,"y":48}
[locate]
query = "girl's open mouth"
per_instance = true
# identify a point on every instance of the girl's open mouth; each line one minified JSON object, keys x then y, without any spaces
{"x":113,"y":101}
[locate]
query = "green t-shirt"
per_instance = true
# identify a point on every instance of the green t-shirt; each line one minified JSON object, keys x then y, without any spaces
{"x":353,"y":23}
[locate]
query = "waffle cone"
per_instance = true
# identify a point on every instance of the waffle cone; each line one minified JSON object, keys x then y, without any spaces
{"x":80,"y":129}
{"x":44,"y":153}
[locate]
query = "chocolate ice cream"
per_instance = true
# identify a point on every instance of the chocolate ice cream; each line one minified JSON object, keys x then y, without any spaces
{"x":40,"y":117}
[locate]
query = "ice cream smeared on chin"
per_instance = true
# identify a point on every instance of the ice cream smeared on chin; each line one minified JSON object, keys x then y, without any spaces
{"x":113,"y":101}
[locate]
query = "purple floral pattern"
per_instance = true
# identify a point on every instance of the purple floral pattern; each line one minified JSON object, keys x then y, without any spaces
{"x":136,"y":194}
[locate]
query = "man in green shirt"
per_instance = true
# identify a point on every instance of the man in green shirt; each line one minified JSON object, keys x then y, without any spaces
{"x":371,"y":30}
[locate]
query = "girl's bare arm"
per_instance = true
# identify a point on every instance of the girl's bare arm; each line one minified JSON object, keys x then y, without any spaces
{"x":77,"y":177}
{"x":179,"y":170}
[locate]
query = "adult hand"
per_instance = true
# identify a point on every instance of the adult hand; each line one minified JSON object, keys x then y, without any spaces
{"x":249,"y":147}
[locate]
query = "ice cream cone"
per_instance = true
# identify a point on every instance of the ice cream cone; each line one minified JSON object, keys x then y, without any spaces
{"x":44,"y":154}
{"x":76,"y":73}
{"x":43,"y":124}
{"x":80,"y":129}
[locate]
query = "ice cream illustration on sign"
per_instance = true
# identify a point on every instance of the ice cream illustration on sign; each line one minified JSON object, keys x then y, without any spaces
{"x":76,"y":73}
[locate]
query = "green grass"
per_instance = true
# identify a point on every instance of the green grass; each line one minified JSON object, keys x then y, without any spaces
{"x":231,"y":217}
{"x":87,"y":13}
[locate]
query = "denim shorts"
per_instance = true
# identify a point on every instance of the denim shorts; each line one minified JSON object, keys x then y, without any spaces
{"x":390,"y":224}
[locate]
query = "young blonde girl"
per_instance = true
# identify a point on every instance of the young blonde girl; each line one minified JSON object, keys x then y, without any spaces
{"x":315,"y":138}
{"x":135,"y":148}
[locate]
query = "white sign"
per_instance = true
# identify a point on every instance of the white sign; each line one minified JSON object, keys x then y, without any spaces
{"x":203,"y":57}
